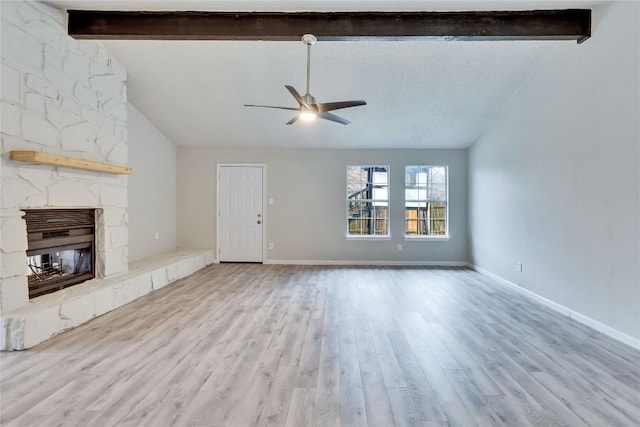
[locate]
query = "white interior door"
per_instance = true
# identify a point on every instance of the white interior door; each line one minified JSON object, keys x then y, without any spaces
{"x":240,"y":218}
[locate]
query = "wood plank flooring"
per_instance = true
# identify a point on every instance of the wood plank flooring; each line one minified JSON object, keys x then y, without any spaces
{"x":257,"y":345}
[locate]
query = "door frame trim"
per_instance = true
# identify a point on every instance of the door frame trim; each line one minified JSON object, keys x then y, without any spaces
{"x":263,"y":166}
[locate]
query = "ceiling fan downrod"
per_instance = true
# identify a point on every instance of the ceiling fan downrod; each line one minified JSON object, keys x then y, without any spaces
{"x":309,"y":40}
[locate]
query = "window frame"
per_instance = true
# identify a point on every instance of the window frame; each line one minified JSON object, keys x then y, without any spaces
{"x":386,"y":236}
{"x":447,"y":234}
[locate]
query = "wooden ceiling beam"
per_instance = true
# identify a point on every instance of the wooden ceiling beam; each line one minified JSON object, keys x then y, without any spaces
{"x":569,"y":24}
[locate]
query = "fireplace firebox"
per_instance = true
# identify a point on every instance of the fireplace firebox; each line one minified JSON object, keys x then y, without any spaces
{"x":61,"y":248}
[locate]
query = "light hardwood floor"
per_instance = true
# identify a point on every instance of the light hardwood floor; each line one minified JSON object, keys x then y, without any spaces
{"x":243,"y":345}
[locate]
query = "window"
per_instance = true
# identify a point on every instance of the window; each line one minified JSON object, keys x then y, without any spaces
{"x":367,"y":200}
{"x":425,"y":205}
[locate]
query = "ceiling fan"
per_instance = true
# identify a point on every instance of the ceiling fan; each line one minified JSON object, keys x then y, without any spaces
{"x":308,"y":109}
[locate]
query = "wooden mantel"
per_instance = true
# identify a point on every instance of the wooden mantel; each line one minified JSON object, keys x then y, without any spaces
{"x":40,"y":158}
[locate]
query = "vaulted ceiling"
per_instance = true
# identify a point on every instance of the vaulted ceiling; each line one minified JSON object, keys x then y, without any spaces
{"x":419,"y":94}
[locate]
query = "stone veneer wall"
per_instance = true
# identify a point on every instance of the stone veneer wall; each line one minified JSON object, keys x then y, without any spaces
{"x":62,"y":96}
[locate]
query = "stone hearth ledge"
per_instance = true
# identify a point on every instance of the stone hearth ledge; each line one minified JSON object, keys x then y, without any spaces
{"x":48,"y":315}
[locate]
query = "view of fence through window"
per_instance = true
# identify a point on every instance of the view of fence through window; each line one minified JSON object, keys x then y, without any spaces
{"x":426,"y":201}
{"x":368,"y":200}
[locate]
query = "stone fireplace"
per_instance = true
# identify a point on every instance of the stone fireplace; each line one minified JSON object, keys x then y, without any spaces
{"x":64,"y":97}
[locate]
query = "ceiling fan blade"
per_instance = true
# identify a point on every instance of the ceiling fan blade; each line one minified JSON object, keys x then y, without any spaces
{"x":271,"y":106}
{"x":297,"y":96}
{"x":293,"y":120}
{"x":330,"y":106}
{"x":333,"y":118}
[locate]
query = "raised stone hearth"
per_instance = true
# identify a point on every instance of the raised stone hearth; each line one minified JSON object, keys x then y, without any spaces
{"x":50,"y":314}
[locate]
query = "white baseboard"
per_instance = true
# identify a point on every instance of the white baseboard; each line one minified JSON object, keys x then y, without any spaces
{"x":579,"y":317}
{"x":364,"y":262}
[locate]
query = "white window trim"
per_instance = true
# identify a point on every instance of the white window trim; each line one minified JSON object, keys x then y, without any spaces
{"x":388,"y":201}
{"x":368,"y":236}
{"x":434,"y":238}
{"x":426,"y":238}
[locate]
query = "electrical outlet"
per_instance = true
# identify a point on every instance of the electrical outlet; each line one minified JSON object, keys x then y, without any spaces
{"x":400,"y":247}
{"x":519,"y":266}
{"x":270,"y":245}
{"x":157,"y":235}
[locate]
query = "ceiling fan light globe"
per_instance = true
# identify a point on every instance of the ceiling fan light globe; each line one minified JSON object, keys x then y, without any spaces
{"x":307,"y":116}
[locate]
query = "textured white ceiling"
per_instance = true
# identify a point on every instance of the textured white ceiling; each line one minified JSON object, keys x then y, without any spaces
{"x":420,"y":94}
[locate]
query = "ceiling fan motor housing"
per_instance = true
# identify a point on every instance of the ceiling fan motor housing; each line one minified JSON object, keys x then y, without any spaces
{"x":309,"y":99}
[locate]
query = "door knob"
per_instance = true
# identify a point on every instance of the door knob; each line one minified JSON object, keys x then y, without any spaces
{"x":259,"y":222}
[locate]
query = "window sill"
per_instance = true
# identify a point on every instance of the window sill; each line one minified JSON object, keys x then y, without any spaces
{"x":428,"y":238}
{"x":363,"y":237}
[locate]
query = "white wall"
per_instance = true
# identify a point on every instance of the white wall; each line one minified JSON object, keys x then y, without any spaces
{"x":555,"y":183}
{"x":308,"y":219}
{"x":152,"y":189}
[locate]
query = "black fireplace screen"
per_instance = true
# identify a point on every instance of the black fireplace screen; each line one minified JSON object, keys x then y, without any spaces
{"x":61,"y":249}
